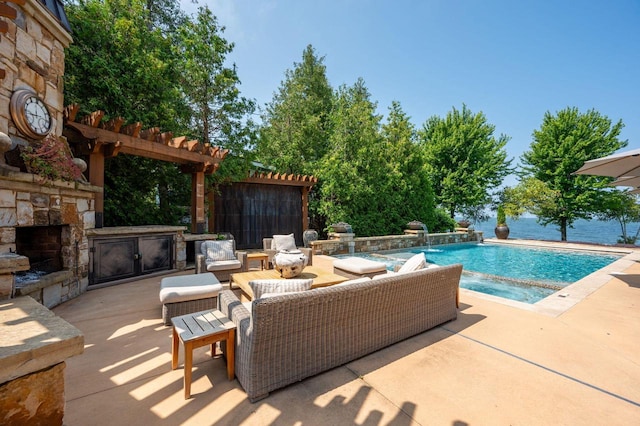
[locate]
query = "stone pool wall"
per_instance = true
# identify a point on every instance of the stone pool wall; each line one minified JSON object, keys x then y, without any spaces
{"x":348,"y":243}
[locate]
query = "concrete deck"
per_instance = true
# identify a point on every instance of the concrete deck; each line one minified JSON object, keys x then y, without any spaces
{"x":497,"y":364}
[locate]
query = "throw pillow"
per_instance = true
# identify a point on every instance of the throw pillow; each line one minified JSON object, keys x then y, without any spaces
{"x":220,"y":250}
{"x":260,"y":287}
{"x":415,"y":263}
{"x":284,"y":242}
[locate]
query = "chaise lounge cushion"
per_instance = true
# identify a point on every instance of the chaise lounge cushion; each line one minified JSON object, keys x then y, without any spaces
{"x":261,"y":287}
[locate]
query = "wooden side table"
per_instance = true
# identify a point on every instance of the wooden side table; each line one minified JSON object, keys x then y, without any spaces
{"x":197,"y":330}
{"x":262,"y":257}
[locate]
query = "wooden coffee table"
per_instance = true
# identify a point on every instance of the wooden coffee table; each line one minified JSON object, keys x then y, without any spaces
{"x":321,"y":278}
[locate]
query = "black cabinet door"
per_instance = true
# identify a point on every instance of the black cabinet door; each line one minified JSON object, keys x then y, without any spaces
{"x":156,"y":253}
{"x":114,"y":259}
{"x":120,"y":258}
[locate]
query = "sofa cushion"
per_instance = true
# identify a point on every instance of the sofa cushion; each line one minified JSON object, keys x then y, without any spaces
{"x":358,"y":265}
{"x":353,"y":281}
{"x":260,"y":287}
{"x":223,"y":265}
{"x":219,"y":250}
{"x":415,"y":263}
{"x":284,"y":243}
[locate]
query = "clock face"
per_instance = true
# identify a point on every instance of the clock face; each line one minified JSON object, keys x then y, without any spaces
{"x":30,"y":114}
{"x":37,"y":115}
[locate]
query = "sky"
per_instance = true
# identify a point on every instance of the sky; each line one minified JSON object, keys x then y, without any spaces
{"x":513,"y":61}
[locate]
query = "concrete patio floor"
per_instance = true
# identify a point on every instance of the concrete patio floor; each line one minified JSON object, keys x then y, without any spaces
{"x":496,"y":364}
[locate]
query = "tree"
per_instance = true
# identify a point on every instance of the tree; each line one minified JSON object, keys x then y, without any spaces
{"x":220,"y":116}
{"x":560,"y":147}
{"x":623,"y":207}
{"x":297,"y":125}
{"x":138,"y":60}
{"x":122,"y":62}
{"x":373,"y":175}
{"x":464,"y":159}
{"x":211,"y":88}
{"x":348,"y":172}
{"x":404,"y":178}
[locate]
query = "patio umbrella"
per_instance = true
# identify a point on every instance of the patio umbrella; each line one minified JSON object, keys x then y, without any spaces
{"x":633,"y":181}
{"x":624,"y":164}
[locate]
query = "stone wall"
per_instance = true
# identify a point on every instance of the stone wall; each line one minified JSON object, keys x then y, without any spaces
{"x":346,"y":243}
{"x":32,"y":55}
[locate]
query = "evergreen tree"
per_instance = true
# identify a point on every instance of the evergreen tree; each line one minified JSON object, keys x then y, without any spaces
{"x":404,"y":179}
{"x":296,"y":130}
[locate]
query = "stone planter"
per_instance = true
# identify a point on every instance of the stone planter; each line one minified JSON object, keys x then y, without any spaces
{"x":502,"y":232}
{"x":341,"y":227}
{"x":416,"y":225}
{"x":464,"y":223}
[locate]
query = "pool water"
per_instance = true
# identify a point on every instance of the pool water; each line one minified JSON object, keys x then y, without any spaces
{"x":524,"y":274}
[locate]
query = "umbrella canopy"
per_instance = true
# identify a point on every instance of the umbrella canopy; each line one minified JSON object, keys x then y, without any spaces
{"x":633,"y":181}
{"x":624,"y":164}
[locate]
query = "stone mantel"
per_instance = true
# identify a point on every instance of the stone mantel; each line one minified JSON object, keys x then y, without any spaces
{"x":33,"y":338}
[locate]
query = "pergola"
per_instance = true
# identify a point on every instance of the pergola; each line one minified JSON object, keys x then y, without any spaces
{"x":98,"y":140}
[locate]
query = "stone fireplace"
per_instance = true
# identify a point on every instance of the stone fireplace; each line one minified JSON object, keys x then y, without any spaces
{"x":43,"y":246}
{"x":47,"y":223}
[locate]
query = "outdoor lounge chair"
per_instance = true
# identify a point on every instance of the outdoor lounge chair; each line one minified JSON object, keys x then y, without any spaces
{"x":220,"y":257}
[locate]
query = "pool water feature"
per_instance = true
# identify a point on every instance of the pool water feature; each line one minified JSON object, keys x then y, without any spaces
{"x":524,"y":274}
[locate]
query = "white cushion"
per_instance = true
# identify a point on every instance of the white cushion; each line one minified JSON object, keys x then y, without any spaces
{"x":284,"y":243}
{"x":358,"y":265}
{"x":415,"y":263}
{"x":222,"y":265}
{"x":219,"y":250}
{"x":189,"y":287}
{"x":388,"y":274}
{"x":260,"y":287}
{"x":354,"y":281}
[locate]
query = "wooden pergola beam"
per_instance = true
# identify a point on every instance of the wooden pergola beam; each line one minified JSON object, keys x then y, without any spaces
{"x":144,"y":148}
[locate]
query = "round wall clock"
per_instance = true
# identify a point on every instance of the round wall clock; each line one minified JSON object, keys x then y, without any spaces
{"x":30,"y":114}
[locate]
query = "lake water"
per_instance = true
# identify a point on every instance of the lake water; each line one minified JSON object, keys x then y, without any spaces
{"x":584,"y":231}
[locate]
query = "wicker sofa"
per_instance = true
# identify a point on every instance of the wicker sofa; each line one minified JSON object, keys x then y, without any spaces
{"x":313,"y":331}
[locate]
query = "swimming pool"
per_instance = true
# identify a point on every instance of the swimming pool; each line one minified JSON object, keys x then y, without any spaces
{"x":524,"y":274}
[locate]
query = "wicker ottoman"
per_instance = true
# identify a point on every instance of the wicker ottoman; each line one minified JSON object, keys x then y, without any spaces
{"x":356,"y":267}
{"x":187,"y":294}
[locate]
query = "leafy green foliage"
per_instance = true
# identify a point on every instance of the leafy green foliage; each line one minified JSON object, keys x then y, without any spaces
{"x":501,"y":217}
{"x":465,"y":161}
{"x":147,"y":62}
{"x":373,"y":176}
{"x":622,"y":207}
{"x":297,"y":124}
{"x":560,"y":147}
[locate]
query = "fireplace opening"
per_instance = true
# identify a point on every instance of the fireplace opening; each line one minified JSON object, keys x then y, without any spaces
{"x":43,"y":246}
